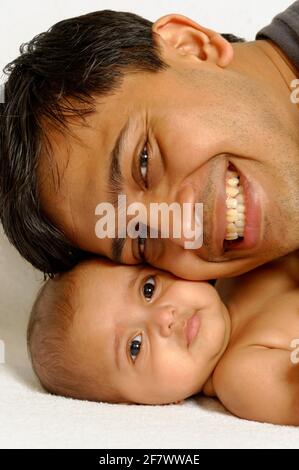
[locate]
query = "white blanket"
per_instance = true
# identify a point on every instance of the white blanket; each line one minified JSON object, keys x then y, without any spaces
{"x":31,"y":418}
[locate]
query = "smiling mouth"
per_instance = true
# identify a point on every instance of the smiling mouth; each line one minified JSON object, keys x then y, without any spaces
{"x":235,"y":208}
{"x":238,"y":214}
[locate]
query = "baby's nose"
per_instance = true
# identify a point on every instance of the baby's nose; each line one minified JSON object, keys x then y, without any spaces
{"x":164,"y":320}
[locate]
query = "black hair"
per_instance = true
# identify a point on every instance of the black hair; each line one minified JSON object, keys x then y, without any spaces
{"x":74,"y":60}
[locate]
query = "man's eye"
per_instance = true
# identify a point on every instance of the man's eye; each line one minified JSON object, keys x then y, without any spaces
{"x":143,"y":164}
{"x":149,"y":288}
{"x":135,"y":347}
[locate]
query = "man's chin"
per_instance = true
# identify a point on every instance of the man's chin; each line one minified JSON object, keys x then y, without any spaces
{"x":232,"y":264}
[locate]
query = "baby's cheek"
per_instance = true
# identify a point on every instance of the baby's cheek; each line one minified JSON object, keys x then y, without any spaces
{"x":182,"y":375}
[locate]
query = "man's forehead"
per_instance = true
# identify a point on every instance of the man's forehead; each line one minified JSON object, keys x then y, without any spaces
{"x":95,"y":135}
{"x":71,"y":157}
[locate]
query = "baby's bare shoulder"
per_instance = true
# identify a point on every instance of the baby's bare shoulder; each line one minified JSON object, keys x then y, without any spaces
{"x":260,"y":384}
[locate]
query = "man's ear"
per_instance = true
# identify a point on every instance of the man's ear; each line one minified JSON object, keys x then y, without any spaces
{"x":191,"y":39}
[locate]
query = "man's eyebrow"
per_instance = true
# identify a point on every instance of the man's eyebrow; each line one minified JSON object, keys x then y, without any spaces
{"x":117,"y":249}
{"x":115,"y":184}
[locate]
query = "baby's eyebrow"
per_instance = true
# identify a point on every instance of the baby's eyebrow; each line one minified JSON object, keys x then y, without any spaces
{"x":131,"y":281}
{"x":117,"y":349}
{"x":134,"y":276}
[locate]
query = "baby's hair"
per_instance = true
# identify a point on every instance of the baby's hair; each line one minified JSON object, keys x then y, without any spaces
{"x":48,"y":335}
{"x":52,"y":347}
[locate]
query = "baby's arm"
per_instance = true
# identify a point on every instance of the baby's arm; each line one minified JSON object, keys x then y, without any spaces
{"x":259,"y":384}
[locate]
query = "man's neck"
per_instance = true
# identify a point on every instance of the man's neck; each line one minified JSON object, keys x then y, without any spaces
{"x":263,"y":60}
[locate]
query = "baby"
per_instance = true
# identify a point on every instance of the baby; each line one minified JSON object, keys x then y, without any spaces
{"x":125,"y":334}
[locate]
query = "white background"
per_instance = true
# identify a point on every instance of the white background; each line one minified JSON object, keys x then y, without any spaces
{"x":28,"y":416}
{"x":21,"y":20}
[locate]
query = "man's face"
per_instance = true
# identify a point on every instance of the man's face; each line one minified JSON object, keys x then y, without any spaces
{"x":195,"y":119}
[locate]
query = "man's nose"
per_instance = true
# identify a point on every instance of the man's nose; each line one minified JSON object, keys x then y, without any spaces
{"x":177,"y":218}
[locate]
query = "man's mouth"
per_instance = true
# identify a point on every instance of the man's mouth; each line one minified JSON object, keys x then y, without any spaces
{"x":238,"y":214}
{"x":235,"y":206}
{"x":243,"y":212}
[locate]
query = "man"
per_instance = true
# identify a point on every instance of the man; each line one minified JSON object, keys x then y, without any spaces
{"x":168,"y":110}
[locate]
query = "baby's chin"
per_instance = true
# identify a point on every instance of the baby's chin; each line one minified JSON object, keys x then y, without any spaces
{"x":166,"y":398}
{"x":226,"y":331}
{"x":228,"y":325}
{"x":161,"y":402}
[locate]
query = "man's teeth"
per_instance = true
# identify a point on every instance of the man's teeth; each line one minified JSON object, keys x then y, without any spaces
{"x":235,"y":207}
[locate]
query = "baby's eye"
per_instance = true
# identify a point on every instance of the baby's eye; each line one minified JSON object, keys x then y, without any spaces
{"x":135,"y":347}
{"x":149,"y":288}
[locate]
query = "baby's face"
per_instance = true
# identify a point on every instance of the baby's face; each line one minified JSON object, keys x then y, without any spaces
{"x":158,"y":338}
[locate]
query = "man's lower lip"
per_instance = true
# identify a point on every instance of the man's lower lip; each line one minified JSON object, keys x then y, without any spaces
{"x":192,"y":328}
